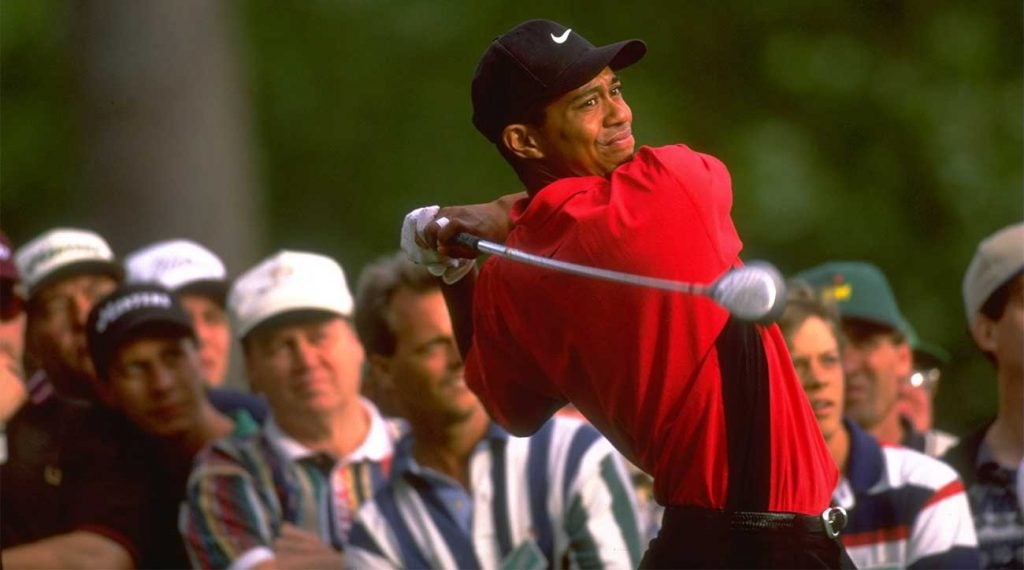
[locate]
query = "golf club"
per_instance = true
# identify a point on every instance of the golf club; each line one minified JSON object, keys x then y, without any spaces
{"x":754,"y":292}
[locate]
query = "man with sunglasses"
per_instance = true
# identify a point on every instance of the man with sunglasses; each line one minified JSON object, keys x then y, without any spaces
{"x":916,"y":402}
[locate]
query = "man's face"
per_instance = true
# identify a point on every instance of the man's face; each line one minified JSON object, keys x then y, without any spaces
{"x":311,"y":367}
{"x":1010,"y":331}
{"x":1005,"y":337}
{"x":156,"y":381}
{"x":56,"y":330}
{"x":426,"y":371}
{"x":876,"y":365}
{"x":815,"y":353}
{"x":587,"y":131}
{"x":214,"y":334}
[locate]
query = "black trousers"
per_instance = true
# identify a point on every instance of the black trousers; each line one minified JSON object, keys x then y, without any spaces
{"x":702,"y":538}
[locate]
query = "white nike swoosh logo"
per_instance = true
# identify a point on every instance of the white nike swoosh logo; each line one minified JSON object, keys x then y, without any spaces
{"x":561,"y":39}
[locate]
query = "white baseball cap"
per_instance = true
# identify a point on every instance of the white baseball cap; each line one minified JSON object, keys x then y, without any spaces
{"x":285,"y":282}
{"x":64,"y":252}
{"x":998,"y":258}
{"x":175,"y":264}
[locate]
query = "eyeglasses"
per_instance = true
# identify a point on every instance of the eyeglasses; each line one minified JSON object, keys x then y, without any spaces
{"x":11,"y":303}
{"x":927,"y":378}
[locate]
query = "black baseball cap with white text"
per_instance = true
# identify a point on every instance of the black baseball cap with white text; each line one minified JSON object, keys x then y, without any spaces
{"x":129,"y":312}
{"x":535,"y":62}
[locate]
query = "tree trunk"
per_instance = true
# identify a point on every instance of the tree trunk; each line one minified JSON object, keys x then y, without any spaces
{"x":164,"y":126}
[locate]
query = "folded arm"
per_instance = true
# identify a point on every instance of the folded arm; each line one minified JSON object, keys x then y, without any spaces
{"x":225,"y":523}
{"x":77,"y":549}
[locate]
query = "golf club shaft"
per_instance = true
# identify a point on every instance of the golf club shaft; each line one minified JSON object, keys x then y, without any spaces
{"x":489,"y":247}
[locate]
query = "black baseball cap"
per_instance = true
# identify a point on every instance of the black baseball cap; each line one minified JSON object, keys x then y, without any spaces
{"x":129,"y":312}
{"x":534,"y":62}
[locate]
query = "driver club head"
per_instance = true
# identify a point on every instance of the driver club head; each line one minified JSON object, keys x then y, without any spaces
{"x":754,"y":292}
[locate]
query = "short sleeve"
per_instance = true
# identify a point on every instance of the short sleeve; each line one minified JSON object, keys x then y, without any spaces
{"x":504,"y":377}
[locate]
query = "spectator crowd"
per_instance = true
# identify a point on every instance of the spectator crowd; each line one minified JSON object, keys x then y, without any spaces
{"x":448,"y":417}
{"x":360,"y":445}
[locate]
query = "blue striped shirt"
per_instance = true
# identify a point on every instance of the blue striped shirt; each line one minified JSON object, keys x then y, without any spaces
{"x":560,"y":497}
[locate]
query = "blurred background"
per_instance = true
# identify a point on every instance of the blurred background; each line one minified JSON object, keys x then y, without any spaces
{"x":883,"y":130}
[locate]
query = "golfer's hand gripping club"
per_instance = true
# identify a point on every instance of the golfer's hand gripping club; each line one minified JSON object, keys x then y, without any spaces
{"x":754,"y":292}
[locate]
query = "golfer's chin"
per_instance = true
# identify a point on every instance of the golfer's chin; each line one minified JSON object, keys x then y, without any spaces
{"x":618,"y":158}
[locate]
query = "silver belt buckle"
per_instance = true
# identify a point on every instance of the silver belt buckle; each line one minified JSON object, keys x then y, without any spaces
{"x":834,"y":519}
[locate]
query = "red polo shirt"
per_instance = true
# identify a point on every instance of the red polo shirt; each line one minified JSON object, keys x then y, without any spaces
{"x":644,"y":365}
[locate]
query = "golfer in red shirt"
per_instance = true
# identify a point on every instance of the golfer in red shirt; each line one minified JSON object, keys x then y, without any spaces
{"x":707,"y":404}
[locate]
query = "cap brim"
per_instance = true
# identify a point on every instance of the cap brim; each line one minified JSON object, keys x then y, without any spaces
{"x":616,"y":56}
{"x":215,"y":290}
{"x":931,"y":355}
{"x":138,"y":326}
{"x":161,"y":326}
{"x":86,"y":267}
{"x":290,"y":317}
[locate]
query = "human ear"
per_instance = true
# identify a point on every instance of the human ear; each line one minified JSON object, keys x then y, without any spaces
{"x":104,"y":390}
{"x":520,"y":140}
{"x":381,"y":371}
{"x":984,"y":332}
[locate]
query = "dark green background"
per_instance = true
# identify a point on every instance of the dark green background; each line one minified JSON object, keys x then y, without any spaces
{"x":879,"y":130}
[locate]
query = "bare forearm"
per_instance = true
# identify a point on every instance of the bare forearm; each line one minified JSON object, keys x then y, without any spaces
{"x":507,"y":201}
{"x":79,"y":549}
{"x":490,"y":221}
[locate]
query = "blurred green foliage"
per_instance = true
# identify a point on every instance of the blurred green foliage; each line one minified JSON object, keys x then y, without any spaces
{"x":882,"y":130}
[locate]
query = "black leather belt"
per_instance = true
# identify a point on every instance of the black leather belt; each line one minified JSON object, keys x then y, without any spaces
{"x":830,"y":522}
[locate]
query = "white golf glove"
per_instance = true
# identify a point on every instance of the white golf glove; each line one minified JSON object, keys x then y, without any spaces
{"x":448,"y":269}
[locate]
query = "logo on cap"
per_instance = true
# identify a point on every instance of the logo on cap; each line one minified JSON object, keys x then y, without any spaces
{"x":171,"y":263}
{"x":140,"y":300}
{"x":86,"y":250}
{"x":561,"y":39}
{"x":838,"y":292}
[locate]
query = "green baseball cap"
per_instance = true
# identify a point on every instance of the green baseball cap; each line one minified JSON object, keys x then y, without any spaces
{"x":860,"y":291}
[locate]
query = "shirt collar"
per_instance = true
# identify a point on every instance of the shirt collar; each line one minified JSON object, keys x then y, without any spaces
{"x":377,"y":446}
{"x":984,"y":455}
{"x":989,"y":470}
{"x":911,"y":437}
{"x":404,"y":462}
{"x":554,"y":195}
{"x":865,"y":464}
